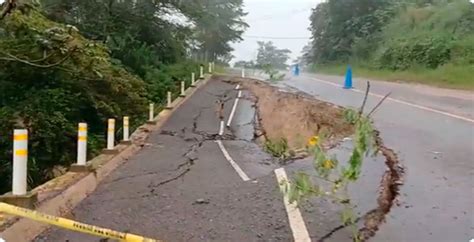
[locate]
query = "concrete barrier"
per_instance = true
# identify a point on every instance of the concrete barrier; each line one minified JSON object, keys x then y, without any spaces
{"x":193,"y":79}
{"x":20,"y":162}
{"x":81,"y":163}
{"x":183,"y":89}
{"x":151,"y":114}
{"x":126,"y":131}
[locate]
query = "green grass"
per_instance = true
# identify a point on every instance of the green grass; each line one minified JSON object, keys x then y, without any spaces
{"x":447,"y":76}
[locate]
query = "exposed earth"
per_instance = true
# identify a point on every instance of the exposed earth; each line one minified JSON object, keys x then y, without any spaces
{"x":182,"y":187}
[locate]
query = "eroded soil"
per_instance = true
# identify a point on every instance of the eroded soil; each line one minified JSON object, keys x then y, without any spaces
{"x":296,"y":116}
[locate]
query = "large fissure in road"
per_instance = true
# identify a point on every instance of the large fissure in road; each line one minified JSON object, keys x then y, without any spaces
{"x":285,"y":113}
{"x":197,"y":179}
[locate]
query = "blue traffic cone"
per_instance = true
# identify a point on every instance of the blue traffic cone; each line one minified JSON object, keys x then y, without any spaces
{"x":348,"y":81}
{"x":297,"y":70}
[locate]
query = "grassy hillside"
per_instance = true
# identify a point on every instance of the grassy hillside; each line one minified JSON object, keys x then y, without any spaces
{"x":447,"y":76}
{"x":430,"y":42}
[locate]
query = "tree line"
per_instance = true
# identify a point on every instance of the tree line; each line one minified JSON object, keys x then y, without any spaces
{"x":68,"y":61}
{"x":392,"y":34}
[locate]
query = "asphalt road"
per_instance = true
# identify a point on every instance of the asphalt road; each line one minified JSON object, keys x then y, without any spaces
{"x":182,"y":187}
{"x":432,"y":131}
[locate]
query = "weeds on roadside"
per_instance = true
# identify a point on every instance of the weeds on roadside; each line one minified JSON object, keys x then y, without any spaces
{"x":273,"y":73}
{"x":350,"y":116}
{"x":278,"y":148}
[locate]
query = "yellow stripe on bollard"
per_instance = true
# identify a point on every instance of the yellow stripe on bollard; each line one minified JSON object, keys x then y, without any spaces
{"x":21,"y":152}
{"x":72,"y":225}
{"x":82,"y":138}
{"x":20,"y":137}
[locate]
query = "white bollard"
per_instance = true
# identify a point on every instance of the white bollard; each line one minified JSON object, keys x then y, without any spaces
{"x":111,"y":134}
{"x":182,"y":89}
{"x":210,"y":67}
{"x":82,"y":144}
{"x":193,"y":79}
{"x":126,"y":129}
{"x":20,"y":162}
{"x":169,"y":100}
{"x":151,"y":114}
{"x":243,"y":72}
{"x":201,"y":72}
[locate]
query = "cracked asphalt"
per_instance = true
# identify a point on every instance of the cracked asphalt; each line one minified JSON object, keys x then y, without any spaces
{"x":436,"y":200}
{"x":180,"y":187}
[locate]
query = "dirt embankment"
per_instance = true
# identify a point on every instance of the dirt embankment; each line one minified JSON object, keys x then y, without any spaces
{"x":297,"y":117}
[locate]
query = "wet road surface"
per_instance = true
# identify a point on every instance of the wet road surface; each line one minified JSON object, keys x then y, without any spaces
{"x":437,"y":150}
{"x":180,"y":186}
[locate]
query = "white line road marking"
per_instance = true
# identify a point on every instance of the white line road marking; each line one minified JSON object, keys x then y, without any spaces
{"x":234,"y":108}
{"x":232,"y":113}
{"x":298,"y":227}
{"x":232,"y":162}
{"x":403,"y":102}
{"x":221,"y":128}
{"x":237,"y":87}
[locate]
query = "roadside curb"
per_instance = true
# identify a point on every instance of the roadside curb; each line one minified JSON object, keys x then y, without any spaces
{"x":60,"y":195}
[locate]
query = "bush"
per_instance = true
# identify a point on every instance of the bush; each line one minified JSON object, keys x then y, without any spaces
{"x":50,"y":102}
{"x":462,"y":52}
{"x":278,"y":148}
{"x":428,"y":36}
{"x":427,"y":51}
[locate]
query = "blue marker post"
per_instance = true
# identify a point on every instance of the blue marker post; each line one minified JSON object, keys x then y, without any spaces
{"x":348,"y":81}
{"x":296,"y":70}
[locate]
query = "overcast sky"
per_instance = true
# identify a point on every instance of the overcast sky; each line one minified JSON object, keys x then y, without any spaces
{"x":275,"y":18}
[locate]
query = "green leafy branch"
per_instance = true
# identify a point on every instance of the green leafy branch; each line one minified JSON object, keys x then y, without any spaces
{"x":273,"y":73}
{"x":334,"y":178}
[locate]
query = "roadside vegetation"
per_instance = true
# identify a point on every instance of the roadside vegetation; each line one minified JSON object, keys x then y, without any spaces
{"x":278,"y":148}
{"x":426,"y":41}
{"x":63,"y":62}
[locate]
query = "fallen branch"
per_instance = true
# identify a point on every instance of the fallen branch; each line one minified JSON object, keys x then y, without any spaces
{"x":31,"y":63}
{"x":378,"y":104}
{"x":361,"y":111}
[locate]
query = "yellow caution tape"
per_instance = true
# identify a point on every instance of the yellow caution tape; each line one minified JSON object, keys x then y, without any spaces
{"x":72,"y":225}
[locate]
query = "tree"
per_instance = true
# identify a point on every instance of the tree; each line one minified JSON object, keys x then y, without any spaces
{"x":69,"y":61}
{"x":337,"y":24}
{"x":246,"y":64}
{"x":390,"y":34}
{"x":218,"y":23}
{"x":52,"y":78}
{"x":270,"y":55}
